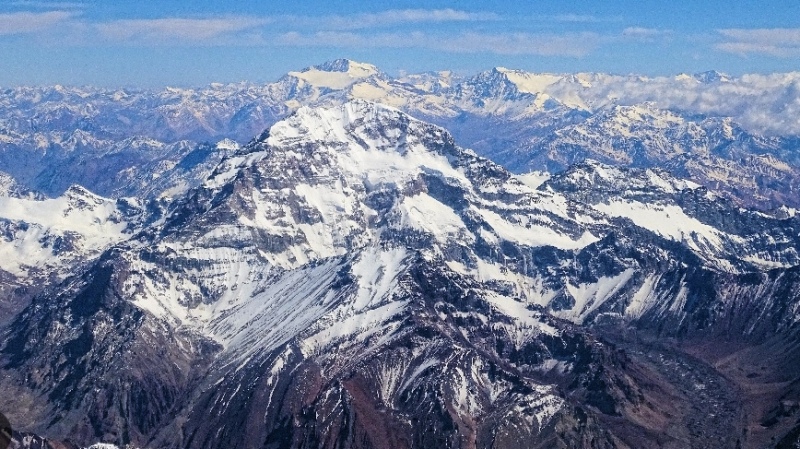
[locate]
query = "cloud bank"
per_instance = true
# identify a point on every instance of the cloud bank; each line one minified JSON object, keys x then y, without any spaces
{"x":185,"y":30}
{"x":777,"y":42}
{"x":573,"y":44}
{"x":768,"y":104}
{"x":391,"y":18}
{"x":31,"y":22}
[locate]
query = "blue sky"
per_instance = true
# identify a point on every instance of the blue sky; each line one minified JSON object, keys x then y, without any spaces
{"x":155,"y":43}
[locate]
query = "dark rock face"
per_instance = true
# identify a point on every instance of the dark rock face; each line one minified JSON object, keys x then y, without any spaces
{"x":98,"y":361}
{"x":353,"y":279}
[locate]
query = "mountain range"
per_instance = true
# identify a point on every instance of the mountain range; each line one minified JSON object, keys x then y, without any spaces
{"x":354,"y":277}
{"x":732,"y":134}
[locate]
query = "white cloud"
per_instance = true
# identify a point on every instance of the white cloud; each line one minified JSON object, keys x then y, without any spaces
{"x":583,"y":18}
{"x":48,"y":5}
{"x":31,"y":22}
{"x":774,"y":36}
{"x":571,"y":44}
{"x":362,"y":30}
{"x":350,"y":39}
{"x":778,"y":42}
{"x":763,"y":103}
{"x":644,"y":33}
{"x":169,"y":30}
{"x":249,"y":29}
{"x":745,"y":48}
{"x":398,"y":17}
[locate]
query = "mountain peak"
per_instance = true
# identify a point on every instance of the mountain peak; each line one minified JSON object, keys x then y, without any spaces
{"x":707,"y":77}
{"x":228,"y":145}
{"x":527,"y":82}
{"x":337,"y":74}
{"x":357,"y":122}
{"x":647,"y":112}
{"x":358,"y":69}
{"x":712,"y":76}
{"x":364,"y":137}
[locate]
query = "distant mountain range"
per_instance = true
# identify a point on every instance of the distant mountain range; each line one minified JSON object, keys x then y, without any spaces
{"x":735,"y":135}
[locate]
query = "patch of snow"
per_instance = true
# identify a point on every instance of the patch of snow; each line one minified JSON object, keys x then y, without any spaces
{"x":534,"y":179}
{"x":425,"y":213}
{"x":103,"y":446}
{"x":644,"y":298}
{"x":521,"y":315}
{"x":531,"y":233}
{"x":376,"y":272}
{"x":589,"y":297}
{"x":668,"y":221}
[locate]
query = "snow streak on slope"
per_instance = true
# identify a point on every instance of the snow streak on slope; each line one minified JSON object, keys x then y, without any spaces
{"x":591,"y":296}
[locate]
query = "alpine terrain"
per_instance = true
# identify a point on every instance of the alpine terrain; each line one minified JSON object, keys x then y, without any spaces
{"x":353,"y":278}
{"x":734,"y":135}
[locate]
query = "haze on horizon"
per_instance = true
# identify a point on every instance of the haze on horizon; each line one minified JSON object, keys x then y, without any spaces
{"x":95,"y":42}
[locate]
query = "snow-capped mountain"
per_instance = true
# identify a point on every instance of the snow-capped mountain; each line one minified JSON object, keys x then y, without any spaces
{"x":733,"y":134}
{"x":43,"y":239}
{"x":353,"y":277}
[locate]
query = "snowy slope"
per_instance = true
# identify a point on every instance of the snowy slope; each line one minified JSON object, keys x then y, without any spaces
{"x":44,"y":234}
